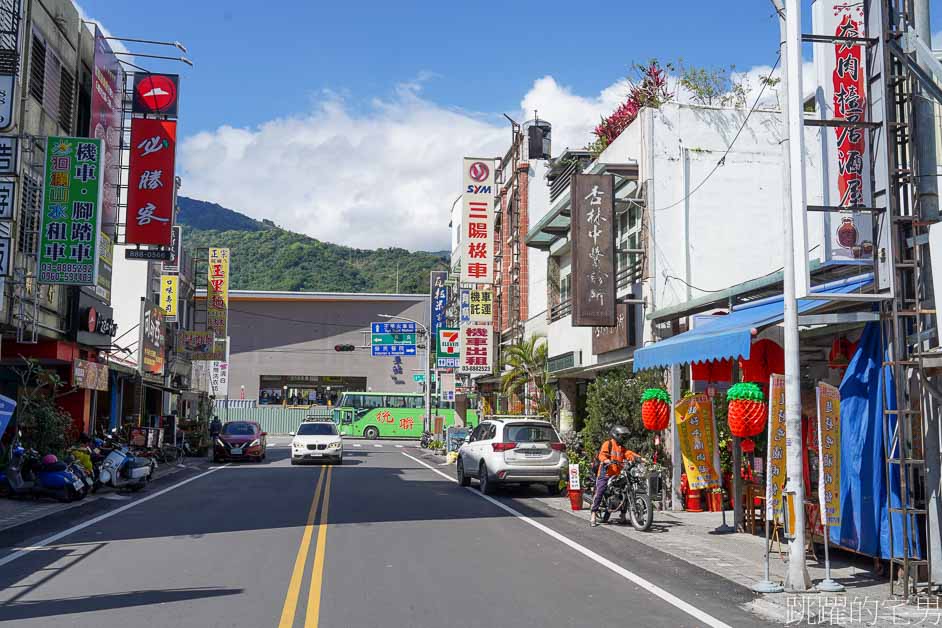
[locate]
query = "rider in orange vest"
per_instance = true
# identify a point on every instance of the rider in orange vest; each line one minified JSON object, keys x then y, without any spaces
{"x":611,"y":456}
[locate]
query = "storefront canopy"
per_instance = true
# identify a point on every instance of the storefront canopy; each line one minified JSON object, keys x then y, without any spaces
{"x":730,"y":336}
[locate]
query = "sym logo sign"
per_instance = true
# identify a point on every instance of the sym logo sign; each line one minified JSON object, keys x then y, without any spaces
{"x":479,"y":171}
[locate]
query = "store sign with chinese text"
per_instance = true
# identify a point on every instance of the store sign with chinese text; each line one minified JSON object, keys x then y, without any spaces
{"x":172,"y":265}
{"x":775,"y":467}
{"x":464,"y":306}
{"x":169,"y":296}
{"x":605,"y":339}
{"x":105,"y":264}
{"x":90,"y":375}
{"x":105,"y":125}
{"x":593,"y":251}
{"x":71,"y":212}
{"x":481,"y":306}
{"x":9,"y":47}
{"x":449,"y":348}
{"x":439,"y":301}
{"x":151,"y":181}
{"x":477,"y":221}
{"x":842,"y":74}
{"x":829,"y":453}
{"x":201,"y":345}
{"x":153,"y":341}
{"x":477,"y":348}
{"x":217,"y":293}
{"x":695,"y":430}
{"x":219,"y":374}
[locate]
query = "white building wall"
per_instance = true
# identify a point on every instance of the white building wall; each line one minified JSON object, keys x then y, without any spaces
{"x":712,"y":227}
{"x":128,"y":285}
{"x":538,"y":199}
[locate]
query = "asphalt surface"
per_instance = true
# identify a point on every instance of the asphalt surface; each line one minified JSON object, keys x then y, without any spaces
{"x":247,"y":545}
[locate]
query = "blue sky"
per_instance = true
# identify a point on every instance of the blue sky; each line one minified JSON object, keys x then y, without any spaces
{"x":347,"y":121}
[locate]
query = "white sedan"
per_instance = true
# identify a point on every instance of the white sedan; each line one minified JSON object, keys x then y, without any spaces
{"x":317,"y":440}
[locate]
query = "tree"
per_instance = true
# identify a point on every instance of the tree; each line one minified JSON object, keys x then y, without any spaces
{"x":614,"y":398}
{"x":524,"y":367}
{"x":46,"y":427}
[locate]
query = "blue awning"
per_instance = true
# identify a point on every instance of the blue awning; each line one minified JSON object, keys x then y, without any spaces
{"x":730,"y":336}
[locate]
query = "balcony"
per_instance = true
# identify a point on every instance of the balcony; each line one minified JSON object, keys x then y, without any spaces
{"x":561,"y":310}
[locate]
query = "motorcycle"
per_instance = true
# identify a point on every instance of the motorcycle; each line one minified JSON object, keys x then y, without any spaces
{"x":26,"y":475}
{"x":629,"y":490}
{"x":427,"y":438}
{"x":122,"y":469}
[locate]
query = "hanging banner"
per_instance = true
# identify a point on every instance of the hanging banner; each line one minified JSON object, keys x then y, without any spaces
{"x":449,"y":348}
{"x":439,"y":300}
{"x":477,"y":221}
{"x":829,"y":453}
{"x":169,"y":296}
{"x":217,"y":293}
{"x":219,"y":375}
{"x":694,"y":416}
{"x":172,"y":265}
{"x":151,"y":187}
{"x":153,"y":340}
{"x":481,"y":306}
{"x":464,"y":308}
{"x":477,"y":348}
{"x":593,"y":250}
{"x":71,"y":218}
{"x":105,"y":125}
{"x":775,"y":467}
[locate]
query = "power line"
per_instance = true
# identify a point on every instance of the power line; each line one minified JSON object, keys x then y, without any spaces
{"x":722,"y":160}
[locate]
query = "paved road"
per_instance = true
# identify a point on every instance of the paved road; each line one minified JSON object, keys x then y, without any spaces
{"x":403,"y":545}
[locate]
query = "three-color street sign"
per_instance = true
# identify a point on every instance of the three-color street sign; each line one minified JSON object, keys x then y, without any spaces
{"x":392,"y":339}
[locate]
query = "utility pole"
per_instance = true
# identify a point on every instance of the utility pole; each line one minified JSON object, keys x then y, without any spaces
{"x":797,"y":578}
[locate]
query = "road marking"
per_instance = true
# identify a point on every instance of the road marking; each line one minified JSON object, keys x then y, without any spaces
{"x":398,"y":446}
{"x":9,"y":558}
{"x":670,"y":598}
{"x":297,"y":574}
{"x":377,"y":445}
{"x":317,"y":570}
{"x":357,"y":445}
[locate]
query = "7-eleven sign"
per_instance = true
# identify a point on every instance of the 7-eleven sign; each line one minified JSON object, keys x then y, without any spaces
{"x":448,"y":351}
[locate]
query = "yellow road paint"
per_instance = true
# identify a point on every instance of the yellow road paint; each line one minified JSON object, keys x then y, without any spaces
{"x":317,"y":571}
{"x":294,"y":588}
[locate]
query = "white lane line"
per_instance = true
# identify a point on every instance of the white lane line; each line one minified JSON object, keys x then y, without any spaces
{"x":670,"y":598}
{"x":357,"y":445}
{"x":377,"y":445}
{"x":9,"y":558}
{"x":398,"y":446}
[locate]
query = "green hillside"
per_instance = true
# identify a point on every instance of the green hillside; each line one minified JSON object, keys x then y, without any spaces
{"x":265,"y":257}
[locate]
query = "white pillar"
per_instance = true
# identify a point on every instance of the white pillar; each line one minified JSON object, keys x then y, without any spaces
{"x":676,"y":462}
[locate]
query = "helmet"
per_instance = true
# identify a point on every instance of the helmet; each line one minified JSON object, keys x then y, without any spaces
{"x":620,"y":434}
{"x":50,"y":459}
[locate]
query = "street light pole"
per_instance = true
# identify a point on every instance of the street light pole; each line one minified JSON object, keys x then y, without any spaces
{"x":427,"y":424}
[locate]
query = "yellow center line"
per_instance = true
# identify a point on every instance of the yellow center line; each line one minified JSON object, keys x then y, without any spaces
{"x":294,"y":588}
{"x":317,"y":571}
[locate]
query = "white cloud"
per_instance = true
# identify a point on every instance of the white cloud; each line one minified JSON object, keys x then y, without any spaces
{"x":386,"y":177}
{"x":117,"y":46}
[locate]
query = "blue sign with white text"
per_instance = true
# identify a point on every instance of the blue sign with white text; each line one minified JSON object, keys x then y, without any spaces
{"x":392,"y":350}
{"x":393,"y":328}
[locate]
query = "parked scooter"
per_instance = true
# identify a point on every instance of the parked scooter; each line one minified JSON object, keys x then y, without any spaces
{"x":26,"y":475}
{"x":122,"y":469}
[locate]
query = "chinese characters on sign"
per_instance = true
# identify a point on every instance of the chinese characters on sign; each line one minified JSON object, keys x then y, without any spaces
{"x":480,"y":306}
{"x":464,"y":308}
{"x":448,"y":349}
{"x":169,"y":288}
{"x":198,"y":345}
{"x":477,"y":222}
{"x":68,"y":245}
{"x":217,"y":293}
{"x":605,"y":339}
{"x":593,"y":254}
{"x":694,"y":416}
{"x":829,"y":453}
{"x":842,"y":74}
{"x":153,"y":339}
{"x":439,"y":303}
{"x":219,"y":375}
{"x":172,"y":265}
{"x":477,"y":348}
{"x":105,"y":125}
{"x":151,"y":181}
{"x":775,"y":474}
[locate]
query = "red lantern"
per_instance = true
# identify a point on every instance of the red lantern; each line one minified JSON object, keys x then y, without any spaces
{"x":747,"y":412}
{"x":655,"y":409}
{"x":712,"y":371}
{"x":765,"y":358}
{"x":748,"y":445}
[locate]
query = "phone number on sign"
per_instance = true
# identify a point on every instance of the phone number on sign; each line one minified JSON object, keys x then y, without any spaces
{"x":65,"y":272}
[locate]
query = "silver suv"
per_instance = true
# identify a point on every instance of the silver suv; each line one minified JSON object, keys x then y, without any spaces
{"x":512,"y":450}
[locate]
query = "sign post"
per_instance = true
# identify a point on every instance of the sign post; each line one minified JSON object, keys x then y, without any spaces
{"x":829,"y":473}
{"x":775,"y":469}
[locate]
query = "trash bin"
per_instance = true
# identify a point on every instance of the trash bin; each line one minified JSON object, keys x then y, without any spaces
{"x":575,"y":499}
{"x":693,"y":501}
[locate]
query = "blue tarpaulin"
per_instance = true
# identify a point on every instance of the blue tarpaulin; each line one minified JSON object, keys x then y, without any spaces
{"x":864,"y":513}
{"x":730,"y":336}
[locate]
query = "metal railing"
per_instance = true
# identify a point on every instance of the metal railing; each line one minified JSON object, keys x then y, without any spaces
{"x":561,"y":310}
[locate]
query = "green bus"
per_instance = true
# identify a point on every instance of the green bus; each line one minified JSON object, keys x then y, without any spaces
{"x":392,"y":415}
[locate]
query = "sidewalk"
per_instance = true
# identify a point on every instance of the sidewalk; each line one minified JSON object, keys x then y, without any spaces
{"x":15,"y":512}
{"x":739,"y":557}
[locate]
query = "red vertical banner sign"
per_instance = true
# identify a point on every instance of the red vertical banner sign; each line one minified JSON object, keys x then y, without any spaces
{"x":151,"y":181}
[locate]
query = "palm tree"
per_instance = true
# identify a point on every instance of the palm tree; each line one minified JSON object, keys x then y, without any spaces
{"x":524,"y":367}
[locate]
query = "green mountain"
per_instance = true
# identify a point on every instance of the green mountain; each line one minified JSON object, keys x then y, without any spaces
{"x":266,"y":257}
